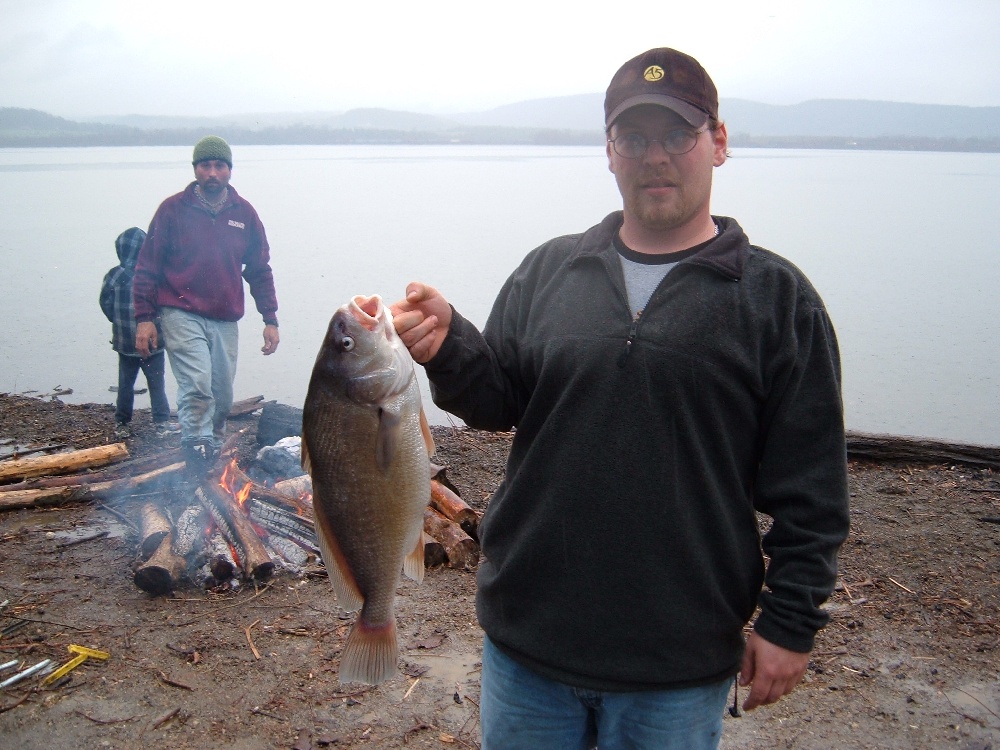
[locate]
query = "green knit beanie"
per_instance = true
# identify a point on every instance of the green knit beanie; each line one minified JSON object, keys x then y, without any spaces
{"x":212,"y":147}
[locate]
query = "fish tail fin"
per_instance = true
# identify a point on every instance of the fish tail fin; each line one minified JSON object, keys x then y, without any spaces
{"x":413,"y":563}
{"x":370,"y":654}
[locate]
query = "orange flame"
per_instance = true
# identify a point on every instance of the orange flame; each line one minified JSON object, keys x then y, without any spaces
{"x":226,"y":481}
{"x":243,"y":495}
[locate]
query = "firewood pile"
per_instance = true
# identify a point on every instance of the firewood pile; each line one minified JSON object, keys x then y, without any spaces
{"x":221,"y":529}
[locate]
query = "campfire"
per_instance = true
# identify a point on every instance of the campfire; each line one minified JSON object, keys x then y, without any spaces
{"x":237,"y":530}
{"x":226,"y":529}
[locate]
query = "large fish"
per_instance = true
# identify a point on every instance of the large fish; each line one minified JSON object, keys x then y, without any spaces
{"x":366,"y":443}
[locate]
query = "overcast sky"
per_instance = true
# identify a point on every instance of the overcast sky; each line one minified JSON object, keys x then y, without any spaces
{"x":191,"y":57}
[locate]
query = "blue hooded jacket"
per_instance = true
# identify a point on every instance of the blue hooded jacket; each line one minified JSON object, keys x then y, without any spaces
{"x":116,"y":294}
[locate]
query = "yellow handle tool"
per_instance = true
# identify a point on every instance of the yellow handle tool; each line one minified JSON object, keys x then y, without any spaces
{"x":82,"y":654}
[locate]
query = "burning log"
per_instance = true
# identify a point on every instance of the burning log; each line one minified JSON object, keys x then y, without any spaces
{"x":279,"y":520}
{"x":293,"y":503}
{"x":454,"y":508}
{"x":153,"y":527}
{"x":61,"y":463}
{"x":461,"y":549}
{"x":236,"y":527}
{"x":161,"y":572}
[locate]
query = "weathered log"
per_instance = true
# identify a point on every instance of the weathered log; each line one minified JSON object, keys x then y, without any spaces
{"x":440,"y":473}
{"x":162,"y":571}
{"x":190,"y":530}
{"x":901,"y":448}
{"x":236,"y":527}
{"x":246,"y":406}
{"x":61,"y":463}
{"x":454,"y":508}
{"x":296,"y":487}
{"x":279,"y":520}
{"x":434,"y":554}
{"x":460,"y":548}
{"x":221,"y":562}
{"x":42,"y":497}
{"x":153,"y":527}
{"x":296,"y":504}
{"x":129,"y":485}
{"x":110,"y":473}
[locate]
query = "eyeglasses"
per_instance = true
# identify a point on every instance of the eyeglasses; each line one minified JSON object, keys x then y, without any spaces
{"x":676,"y":142}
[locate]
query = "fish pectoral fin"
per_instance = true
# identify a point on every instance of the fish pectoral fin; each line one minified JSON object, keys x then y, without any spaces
{"x":349,"y":597}
{"x":413,"y":563}
{"x":387,"y":438}
{"x":425,"y":430}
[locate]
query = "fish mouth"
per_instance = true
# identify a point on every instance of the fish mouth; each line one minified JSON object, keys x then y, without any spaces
{"x":367,"y":310}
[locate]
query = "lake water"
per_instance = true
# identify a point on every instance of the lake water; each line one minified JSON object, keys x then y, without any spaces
{"x":898,"y":244}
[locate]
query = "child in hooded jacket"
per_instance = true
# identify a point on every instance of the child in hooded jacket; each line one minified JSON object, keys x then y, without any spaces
{"x":116,"y":303}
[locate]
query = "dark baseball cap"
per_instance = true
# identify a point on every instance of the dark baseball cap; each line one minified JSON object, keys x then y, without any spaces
{"x":665,"y":77}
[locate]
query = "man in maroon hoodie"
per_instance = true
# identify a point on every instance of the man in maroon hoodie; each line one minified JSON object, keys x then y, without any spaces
{"x":201,"y":244}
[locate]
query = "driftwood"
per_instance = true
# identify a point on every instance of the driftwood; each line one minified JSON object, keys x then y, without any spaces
{"x":246,"y":406}
{"x":162,"y":571}
{"x":153,"y":528}
{"x":222,"y":564}
{"x":434,"y":554}
{"x":237,"y":528}
{"x":43,"y":497}
{"x":454,"y":508}
{"x":897,"y":448}
{"x":296,"y":487}
{"x":61,"y":463}
{"x":110,"y":473}
{"x":461,"y":550}
{"x":128,"y":485}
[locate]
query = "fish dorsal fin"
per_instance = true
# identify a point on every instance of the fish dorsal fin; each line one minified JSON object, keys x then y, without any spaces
{"x":413,"y":563}
{"x":341,"y":576}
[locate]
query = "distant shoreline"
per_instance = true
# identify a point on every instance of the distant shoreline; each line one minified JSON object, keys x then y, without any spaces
{"x":485,"y":137}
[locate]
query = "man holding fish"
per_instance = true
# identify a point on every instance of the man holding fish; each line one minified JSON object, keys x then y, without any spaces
{"x":667,"y":381}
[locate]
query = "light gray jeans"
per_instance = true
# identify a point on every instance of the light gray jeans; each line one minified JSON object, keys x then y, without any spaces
{"x":202,"y":355}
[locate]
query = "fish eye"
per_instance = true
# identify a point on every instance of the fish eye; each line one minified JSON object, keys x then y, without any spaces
{"x":346,"y":344}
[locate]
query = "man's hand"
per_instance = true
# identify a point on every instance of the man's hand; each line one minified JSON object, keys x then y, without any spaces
{"x":146,"y":339}
{"x":271,"y":339}
{"x":773,"y":671}
{"x":422,"y":320}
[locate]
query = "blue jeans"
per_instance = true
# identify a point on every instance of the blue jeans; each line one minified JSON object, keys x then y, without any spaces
{"x":202,"y":356}
{"x":521,"y":710}
{"x":152,"y":368}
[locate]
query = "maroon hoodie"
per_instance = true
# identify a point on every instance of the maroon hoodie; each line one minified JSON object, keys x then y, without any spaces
{"x":195,"y":261}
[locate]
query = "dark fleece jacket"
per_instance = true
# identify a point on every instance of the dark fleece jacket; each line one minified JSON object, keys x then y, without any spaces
{"x":622,"y":548}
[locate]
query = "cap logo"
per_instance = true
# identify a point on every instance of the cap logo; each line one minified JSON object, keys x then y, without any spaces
{"x":653,"y":73}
